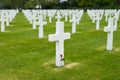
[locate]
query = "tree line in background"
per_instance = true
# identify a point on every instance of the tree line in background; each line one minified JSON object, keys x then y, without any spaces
{"x":55,"y":4}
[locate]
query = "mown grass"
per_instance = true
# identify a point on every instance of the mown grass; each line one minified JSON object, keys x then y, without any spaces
{"x":23,"y":56}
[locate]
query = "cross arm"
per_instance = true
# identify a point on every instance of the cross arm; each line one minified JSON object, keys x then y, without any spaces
{"x":45,"y":22}
{"x":66,"y":35}
{"x":108,"y":29}
{"x":41,"y":23}
{"x":53,"y":37}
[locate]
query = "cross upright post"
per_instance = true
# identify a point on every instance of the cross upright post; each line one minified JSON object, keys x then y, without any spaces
{"x":58,"y":17}
{"x":98,"y":18}
{"x":41,"y":23}
{"x":2,"y":22}
{"x":74,"y":21}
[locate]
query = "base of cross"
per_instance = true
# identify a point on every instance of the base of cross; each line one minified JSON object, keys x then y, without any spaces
{"x":61,"y":62}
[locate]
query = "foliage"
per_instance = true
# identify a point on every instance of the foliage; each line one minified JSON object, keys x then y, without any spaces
{"x":13,"y":4}
{"x":85,"y":3}
{"x":30,"y":4}
{"x":54,"y":4}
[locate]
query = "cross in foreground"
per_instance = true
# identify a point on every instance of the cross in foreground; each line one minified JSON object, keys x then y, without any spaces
{"x":59,"y":37}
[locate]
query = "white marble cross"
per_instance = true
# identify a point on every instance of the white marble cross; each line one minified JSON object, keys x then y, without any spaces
{"x":58,"y":17}
{"x":41,"y":23}
{"x":79,"y":16}
{"x":116,"y":17}
{"x":45,"y":15}
{"x":98,"y":18}
{"x":106,"y":17}
{"x":59,"y":37}
{"x":2,"y":22}
{"x":66,"y":16}
{"x":50,"y":17}
{"x":6,"y":18}
{"x":30,"y":17}
{"x":74,"y":21}
{"x":98,"y":23}
{"x":115,"y":23}
{"x":34,"y":18}
{"x":110,"y":30}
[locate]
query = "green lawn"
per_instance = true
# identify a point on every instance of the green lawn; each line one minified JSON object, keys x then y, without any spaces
{"x":23,"y":56}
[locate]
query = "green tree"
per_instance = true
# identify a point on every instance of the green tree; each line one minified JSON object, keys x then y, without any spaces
{"x":13,"y":4}
{"x":30,"y":4}
{"x":51,"y":4}
{"x":85,"y":3}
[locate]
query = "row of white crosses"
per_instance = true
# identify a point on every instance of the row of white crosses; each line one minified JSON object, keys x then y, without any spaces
{"x":109,"y":13}
{"x":60,"y":39}
{"x":62,"y":13}
{"x":6,"y":16}
{"x":112,"y":17}
{"x":60,"y":36}
{"x":35,"y":19}
{"x":74,"y":17}
{"x":96,"y":15}
{"x":112,"y":13}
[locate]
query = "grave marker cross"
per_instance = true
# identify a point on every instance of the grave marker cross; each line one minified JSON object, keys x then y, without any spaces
{"x":110,"y":30}
{"x":58,"y":17}
{"x":41,"y":23}
{"x":59,"y":37}
{"x":74,"y":21}
{"x":98,"y":18}
{"x":2,"y":22}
